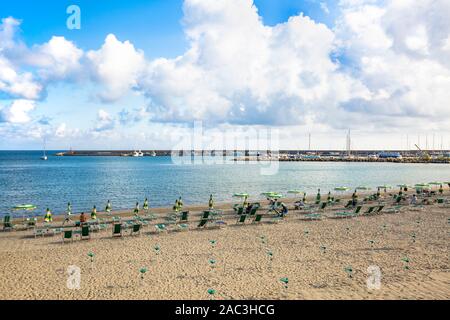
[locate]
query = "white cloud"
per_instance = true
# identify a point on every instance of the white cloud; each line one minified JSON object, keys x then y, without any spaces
{"x":238,"y":70}
{"x":56,"y":59}
{"x":116,"y":65}
{"x":104,"y":121}
{"x":396,"y":50}
{"x":17,"y":112}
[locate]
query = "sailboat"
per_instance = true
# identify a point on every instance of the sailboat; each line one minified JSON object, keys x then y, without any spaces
{"x":44,"y":156}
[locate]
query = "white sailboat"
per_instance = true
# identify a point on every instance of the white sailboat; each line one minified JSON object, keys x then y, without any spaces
{"x":44,"y":156}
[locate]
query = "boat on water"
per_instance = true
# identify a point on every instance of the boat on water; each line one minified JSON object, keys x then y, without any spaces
{"x":44,"y":156}
{"x":138,"y":153}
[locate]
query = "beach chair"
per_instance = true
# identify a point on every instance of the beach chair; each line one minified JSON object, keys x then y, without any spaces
{"x":323,"y":206}
{"x":349,"y":203}
{"x":39,"y":232}
{"x":257,"y":219}
{"x":394,"y":209}
{"x":160,"y":227}
{"x":7,"y":224}
{"x":380,"y":208}
{"x":184,"y":217}
{"x":312,"y":216}
{"x":136,"y":229}
{"x":240,"y":210}
{"x":347,"y":214}
{"x":369,"y":211}
{"x":203,"y":222}
{"x":67,"y":235}
{"x":241,"y":219}
{"x":85,"y":232}
{"x":117,"y":230}
{"x":253,"y":211}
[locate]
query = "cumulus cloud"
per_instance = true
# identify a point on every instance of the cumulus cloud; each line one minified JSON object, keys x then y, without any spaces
{"x":116,"y":65}
{"x":239,"y":70}
{"x":17,"y":112}
{"x":397,"y":51}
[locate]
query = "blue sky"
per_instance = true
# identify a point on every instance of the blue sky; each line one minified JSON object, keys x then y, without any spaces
{"x":166,"y":64}
{"x":152,"y":25}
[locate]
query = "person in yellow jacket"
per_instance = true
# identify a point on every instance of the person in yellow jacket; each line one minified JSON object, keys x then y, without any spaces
{"x":48,"y":216}
{"x":94,"y":213}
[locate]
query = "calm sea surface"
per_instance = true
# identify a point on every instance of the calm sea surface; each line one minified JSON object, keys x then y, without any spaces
{"x":85,"y":181}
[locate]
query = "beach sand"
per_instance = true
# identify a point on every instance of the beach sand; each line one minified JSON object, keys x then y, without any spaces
{"x":36,"y":268}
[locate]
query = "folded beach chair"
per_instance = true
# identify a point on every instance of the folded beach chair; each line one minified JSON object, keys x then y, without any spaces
{"x":85,"y":232}
{"x":136,"y":229}
{"x":7,"y":225}
{"x":117,"y":230}
{"x":241,"y":219}
{"x":67,"y":235}
{"x":257,"y":218}
{"x":369,"y":211}
{"x":184,"y":217}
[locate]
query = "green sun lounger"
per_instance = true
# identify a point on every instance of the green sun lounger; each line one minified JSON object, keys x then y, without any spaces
{"x":258,"y":218}
{"x":369,"y":211}
{"x":347,"y":214}
{"x":85,"y":232}
{"x":241,"y":219}
{"x":184,"y":216}
{"x":312,"y":216}
{"x":160,"y":227}
{"x":136,"y":229}
{"x":7,"y":224}
{"x":67,"y":236}
{"x":117,"y":230}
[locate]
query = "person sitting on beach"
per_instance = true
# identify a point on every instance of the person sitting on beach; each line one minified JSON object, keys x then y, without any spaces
{"x":298,"y":204}
{"x":136,"y":209}
{"x":413,"y":199}
{"x":48,"y":216}
{"x":211,"y":202}
{"x":83,"y":218}
{"x":94,"y":213}
{"x":284,"y":210}
{"x":248,"y":209}
{"x":175,"y":207}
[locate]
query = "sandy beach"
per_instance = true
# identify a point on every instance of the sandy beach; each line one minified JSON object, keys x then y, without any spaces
{"x":313,"y":255}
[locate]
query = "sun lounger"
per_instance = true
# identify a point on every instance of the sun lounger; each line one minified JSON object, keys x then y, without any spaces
{"x":241,"y":219}
{"x":67,"y":235}
{"x":258,"y":218}
{"x":394,"y":209}
{"x":7,"y":224}
{"x":347,"y":214}
{"x":311,"y":216}
{"x":136,"y":229}
{"x":85,"y":232}
{"x":39,"y":232}
{"x":117,"y":230}
{"x":369,"y":211}
{"x":161,"y":227}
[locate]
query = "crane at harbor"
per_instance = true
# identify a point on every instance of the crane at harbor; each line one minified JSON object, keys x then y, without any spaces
{"x":423,"y":154}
